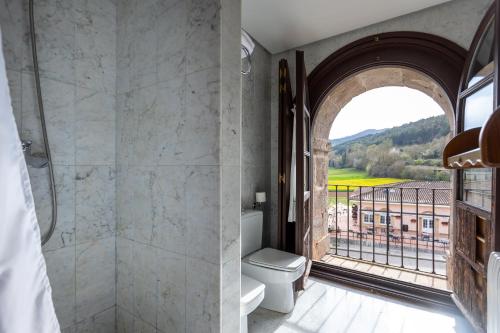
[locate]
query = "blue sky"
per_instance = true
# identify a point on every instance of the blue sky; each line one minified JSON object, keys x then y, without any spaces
{"x":383,"y":108}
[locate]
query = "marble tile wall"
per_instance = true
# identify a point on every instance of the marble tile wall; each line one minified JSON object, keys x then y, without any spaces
{"x":455,"y":20}
{"x":178,"y":166}
{"x":162,"y":80}
{"x":256,"y":134}
{"x":77,"y":60}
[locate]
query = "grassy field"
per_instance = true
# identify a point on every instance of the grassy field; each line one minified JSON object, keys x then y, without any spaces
{"x":355,"y":178}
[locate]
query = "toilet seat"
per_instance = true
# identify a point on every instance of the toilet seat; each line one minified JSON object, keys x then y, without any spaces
{"x":277,"y":260}
{"x":252,"y":294}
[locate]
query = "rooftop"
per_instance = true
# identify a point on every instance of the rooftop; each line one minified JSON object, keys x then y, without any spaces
{"x":442,"y":190}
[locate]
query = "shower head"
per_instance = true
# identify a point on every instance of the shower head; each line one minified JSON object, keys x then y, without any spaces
{"x":37,"y":161}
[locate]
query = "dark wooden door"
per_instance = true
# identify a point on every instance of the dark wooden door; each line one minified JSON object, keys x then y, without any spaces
{"x":303,"y":233}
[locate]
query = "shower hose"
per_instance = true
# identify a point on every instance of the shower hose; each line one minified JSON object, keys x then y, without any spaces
{"x":36,"y":70}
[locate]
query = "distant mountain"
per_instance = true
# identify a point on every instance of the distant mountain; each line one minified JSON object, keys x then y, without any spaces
{"x":356,"y":136}
{"x":419,"y":132}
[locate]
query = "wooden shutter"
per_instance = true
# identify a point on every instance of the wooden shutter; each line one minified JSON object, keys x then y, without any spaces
{"x":475,"y":229}
{"x":303,"y":233}
{"x":286,"y":232}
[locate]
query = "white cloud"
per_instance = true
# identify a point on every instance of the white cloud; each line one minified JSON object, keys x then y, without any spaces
{"x":383,"y":108}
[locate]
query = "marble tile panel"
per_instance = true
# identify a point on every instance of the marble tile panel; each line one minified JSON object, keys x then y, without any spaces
{"x":95,"y":54}
{"x":95,"y":142}
{"x":124,"y":321}
{"x":94,"y":105}
{"x":59,"y":106}
{"x":203,"y":118}
{"x":87,"y":11}
{"x":143,"y":69}
{"x":145,"y":283}
{"x":95,"y":277}
{"x":137,"y":125}
{"x":230,"y":295}
{"x":14,"y":79}
{"x":126,"y":124}
{"x":129,"y":198}
{"x":61,"y":271}
{"x":230,"y":139}
{"x":152,"y":210}
{"x":103,"y":322}
{"x":128,"y":323}
{"x":55,"y":27}
{"x":230,"y":213}
{"x":95,"y":202}
{"x":203,"y":35}
{"x":125,"y":274}
{"x":64,"y":233}
{"x":169,"y":209}
{"x":202,"y":296}
{"x":14,"y":24}
{"x":203,"y":213}
{"x":171,"y":39}
{"x":171,"y":315}
{"x":170,"y":121}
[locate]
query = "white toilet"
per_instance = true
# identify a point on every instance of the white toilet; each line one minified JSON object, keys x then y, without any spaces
{"x":276,"y":269}
{"x":252,"y":294}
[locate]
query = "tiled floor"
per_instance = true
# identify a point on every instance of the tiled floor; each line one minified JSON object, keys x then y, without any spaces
{"x":420,"y":278}
{"x":332,"y":308}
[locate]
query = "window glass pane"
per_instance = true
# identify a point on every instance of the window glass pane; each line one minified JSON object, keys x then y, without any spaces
{"x":482,"y":65}
{"x":478,"y":107}
{"x":477,"y":188}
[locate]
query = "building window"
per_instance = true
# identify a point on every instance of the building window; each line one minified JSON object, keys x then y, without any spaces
{"x":427,"y":224}
{"x":368,"y":218}
{"x":384,"y":219}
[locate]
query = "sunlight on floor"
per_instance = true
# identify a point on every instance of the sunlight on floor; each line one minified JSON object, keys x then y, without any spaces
{"x":330,"y":308}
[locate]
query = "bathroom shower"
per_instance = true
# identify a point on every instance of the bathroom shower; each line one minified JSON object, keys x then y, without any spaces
{"x":40,"y":160}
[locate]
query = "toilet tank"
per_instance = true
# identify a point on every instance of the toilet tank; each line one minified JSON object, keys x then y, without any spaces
{"x":251,"y":231}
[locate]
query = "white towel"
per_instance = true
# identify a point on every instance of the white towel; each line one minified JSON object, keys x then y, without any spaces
{"x":25,"y":295}
{"x":246,"y":42}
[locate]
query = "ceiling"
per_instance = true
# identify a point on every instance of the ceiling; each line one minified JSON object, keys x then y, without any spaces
{"x":281,"y":25}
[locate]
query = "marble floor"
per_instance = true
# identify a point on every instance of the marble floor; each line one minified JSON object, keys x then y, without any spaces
{"x":331,"y":308}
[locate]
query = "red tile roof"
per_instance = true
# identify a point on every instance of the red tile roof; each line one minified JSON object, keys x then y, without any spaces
{"x":442,"y":192}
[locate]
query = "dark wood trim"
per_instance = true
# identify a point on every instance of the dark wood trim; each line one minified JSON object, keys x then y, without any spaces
{"x":285,"y":232}
{"x":495,"y":209}
{"x":478,"y":86}
{"x":434,"y":56}
{"x":460,"y":105}
{"x":380,"y":285}
{"x":475,"y":210}
{"x":466,"y":314}
{"x":299,"y":147}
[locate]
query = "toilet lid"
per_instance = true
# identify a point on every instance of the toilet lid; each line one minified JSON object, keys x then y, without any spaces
{"x":276,"y":259}
{"x":250,"y":289}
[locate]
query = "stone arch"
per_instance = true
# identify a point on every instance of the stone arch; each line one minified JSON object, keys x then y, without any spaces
{"x":332,"y":103}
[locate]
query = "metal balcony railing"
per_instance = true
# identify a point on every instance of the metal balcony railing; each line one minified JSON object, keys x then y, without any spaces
{"x":402,"y":226}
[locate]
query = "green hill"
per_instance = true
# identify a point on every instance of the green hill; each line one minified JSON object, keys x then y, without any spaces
{"x":418,"y":132}
{"x":410,"y":151}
